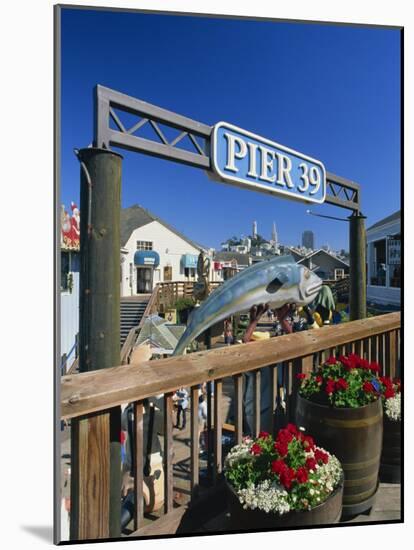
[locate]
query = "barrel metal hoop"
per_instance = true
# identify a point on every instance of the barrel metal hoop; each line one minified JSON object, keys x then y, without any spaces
{"x":336,"y":423}
{"x":351,"y":499}
{"x":361,"y":480}
{"x":361,"y":465}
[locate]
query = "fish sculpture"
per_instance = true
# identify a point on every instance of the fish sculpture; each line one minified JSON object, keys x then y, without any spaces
{"x":276,"y":282}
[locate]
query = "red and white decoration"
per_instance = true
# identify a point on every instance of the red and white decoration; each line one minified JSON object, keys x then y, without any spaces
{"x":70,"y":228}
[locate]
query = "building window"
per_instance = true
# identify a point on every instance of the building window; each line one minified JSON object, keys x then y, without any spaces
{"x":168,"y":273}
{"x":394,"y":260}
{"x":339,"y":273}
{"x":144,"y":245}
{"x":190,"y":272}
{"x":379,"y":264}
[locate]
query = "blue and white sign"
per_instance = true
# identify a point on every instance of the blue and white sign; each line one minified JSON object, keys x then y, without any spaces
{"x":253,"y":162}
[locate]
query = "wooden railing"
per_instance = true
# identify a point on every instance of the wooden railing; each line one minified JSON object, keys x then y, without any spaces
{"x":91,"y":395}
{"x":170,"y":292}
{"x":130,"y":340}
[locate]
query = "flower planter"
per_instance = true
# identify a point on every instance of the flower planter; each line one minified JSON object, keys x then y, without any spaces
{"x":328,"y":512}
{"x":354,"y":436}
{"x":390,"y":469}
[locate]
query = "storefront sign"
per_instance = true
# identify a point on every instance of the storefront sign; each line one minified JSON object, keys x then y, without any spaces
{"x":253,"y":162}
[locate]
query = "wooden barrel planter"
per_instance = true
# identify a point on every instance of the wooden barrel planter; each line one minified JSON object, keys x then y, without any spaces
{"x":354,"y":436}
{"x":327,"y":513}
{"x":390,"y":469}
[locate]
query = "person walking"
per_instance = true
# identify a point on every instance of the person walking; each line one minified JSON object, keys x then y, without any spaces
{"x":182,"y":403}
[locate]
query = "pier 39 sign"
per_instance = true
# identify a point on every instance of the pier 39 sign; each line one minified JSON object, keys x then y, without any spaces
{"x":253,"y":162}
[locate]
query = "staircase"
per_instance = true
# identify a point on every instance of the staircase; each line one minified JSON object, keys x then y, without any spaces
{"x":132,"y":310}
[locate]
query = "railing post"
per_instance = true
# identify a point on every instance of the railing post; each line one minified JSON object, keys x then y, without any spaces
{"x":195,"y":430}
{"x":168,"y":453}
{"x":218,"y":423}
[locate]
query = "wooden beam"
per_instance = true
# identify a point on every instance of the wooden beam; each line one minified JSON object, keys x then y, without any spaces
{"x":218,"y":423}
{"x":92,"y":391}
{"x":257,"y":406}
{"x":139,"y":464}
{"x":168,"y":453}
{"x":238,"y":407}
{"x":90,"y":479}
{"x":194,"y":439}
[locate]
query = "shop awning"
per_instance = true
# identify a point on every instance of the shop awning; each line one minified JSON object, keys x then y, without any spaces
{"x":147,"y":258}
{"x":189,"y":260}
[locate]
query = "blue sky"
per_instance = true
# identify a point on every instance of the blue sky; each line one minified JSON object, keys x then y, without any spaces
{"x":331,"y":92}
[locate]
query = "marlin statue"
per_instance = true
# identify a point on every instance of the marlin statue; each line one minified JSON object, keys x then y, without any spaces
{"x":276,"y":282}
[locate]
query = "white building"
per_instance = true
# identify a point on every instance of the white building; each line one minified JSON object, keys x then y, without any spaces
{"x":154,"y":252}
{"x":384,"y":261}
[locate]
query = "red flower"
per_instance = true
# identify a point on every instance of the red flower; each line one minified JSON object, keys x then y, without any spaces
{"x":302,"y":475}
{"x":291,"y":428}
{"x":311,"y":463}
{"x":386,"y":381}
{"x":318,"y":379}
{"x":285,"y":435}
{"x":321,"y":456}
{"x":308,"y":443}
{"x":331,"y":360}
{"x":264,"y":435}
{"x":281,"y":447}
{"x":301,"y":376}
{"x":330,"y":386}
{"x":374,"y":367}
{"x":278,"y":466}
{"x":347,"y":363}
{"x":356,"y":359}
{"x":364,"y":364}
{"x":286,"y":477}
{"x":341,"y":384}
{"x":389,"y":392}
{"x":256,"y":449}
{"x":368,"y":387}
{"x":397,"y":382}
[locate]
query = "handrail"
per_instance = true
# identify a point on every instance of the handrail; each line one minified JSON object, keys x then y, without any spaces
{"x":131,"y":337}
{"x":150,"y":305}
{"x":95,"y":391}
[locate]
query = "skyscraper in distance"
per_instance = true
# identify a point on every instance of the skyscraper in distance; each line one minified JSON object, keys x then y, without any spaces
{"x":308,"y":240}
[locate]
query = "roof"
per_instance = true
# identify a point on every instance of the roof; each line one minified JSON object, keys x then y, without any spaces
{"x":295,"y":253}
{"x":136,"y":216}
{"x":392,"y":217}
{"x":159,"y":332}
{"x":225,"y":256}
{"x":321,"y":250}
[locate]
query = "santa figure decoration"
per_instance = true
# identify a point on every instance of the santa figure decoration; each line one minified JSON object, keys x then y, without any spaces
{"x":75,"y":225}
{"x":66,"y":226}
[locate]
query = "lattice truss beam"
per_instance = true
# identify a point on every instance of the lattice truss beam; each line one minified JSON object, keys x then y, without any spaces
{"x":190,"y":143}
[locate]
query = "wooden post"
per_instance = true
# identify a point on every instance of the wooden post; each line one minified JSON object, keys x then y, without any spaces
{"x":218,"y":423}
{"x":139,"y":464}
{"x":96,"y":447}
{"x":357,"y":268}
{"x":195,"y":428}
{"x":168,"y":453}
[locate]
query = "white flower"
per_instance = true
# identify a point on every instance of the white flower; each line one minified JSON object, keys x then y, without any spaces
{"x":267,"y":496}
{"x":393,"y":407}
